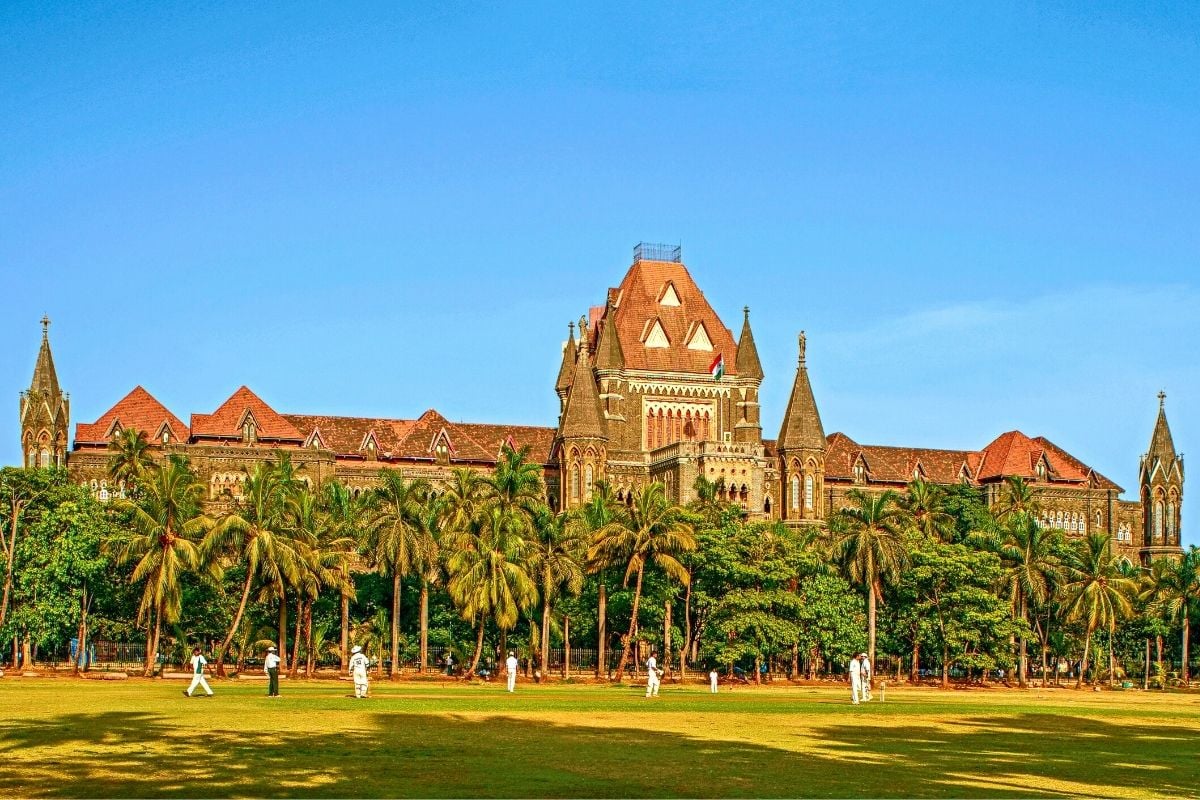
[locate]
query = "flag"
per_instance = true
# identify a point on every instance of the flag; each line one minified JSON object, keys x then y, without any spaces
{"x":718,"y":367}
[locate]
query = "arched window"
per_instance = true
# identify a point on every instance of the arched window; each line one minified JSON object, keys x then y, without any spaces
{"x":45,"y":459}
{"x":1171,"y":520}
{"x":704,"y":427}
{"x":587,"y":483}
{"x":1158,"y":520}
{"x":32,"y":459}
{"x":1061,"y":524}
{"x":575,"y":482}
{"x":808,"y":492}
{"x":795,"y":493}
{"x":1099,"y":520}
{"x":651,"y":431}
{"x":678,"y":429}
{"x":767,"y":504}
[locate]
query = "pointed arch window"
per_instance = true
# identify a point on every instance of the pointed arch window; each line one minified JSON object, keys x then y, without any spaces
{"x":589,"y":476}
{"x":795,"y":493}
{"x":808,"y":492}
{"x":1158,"y":520}
{"x":651,"y":431}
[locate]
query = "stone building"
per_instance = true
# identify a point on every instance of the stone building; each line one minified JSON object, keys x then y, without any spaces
{"x":655,"y":388}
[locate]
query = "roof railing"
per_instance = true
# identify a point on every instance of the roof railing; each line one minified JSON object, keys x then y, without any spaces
{"x":653,"y":251}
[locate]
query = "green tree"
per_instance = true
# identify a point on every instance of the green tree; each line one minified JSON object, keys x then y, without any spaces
{"x":19,"y":490}
{"x":655,"y":532}
{"x":1097,"y":593}
{"x":556,"y":558}
{"x":925,"y":504}
{"x":1175,"y":592}
{"x":866,"y":541}
{"x":129,"y":456}
{"x":1017,"y":497}
{"x":167,"y":525}
{"x":347,"y":515}
{"x":600,"y":511}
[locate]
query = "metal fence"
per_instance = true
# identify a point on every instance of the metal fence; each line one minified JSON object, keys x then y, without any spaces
{"x":653,"y":251}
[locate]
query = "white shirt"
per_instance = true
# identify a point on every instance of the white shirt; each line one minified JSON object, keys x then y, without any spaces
{"x":512,"y":665}
{"x":652,"y":665}
{"x":198,"y":662}
{"x":866,"y":669}
{"x":855,"y":668}
{"x":359,"y":664}
{"x":271,"y":661}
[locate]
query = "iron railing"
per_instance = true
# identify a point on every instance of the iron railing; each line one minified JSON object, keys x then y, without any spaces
{"x":653,"y":251}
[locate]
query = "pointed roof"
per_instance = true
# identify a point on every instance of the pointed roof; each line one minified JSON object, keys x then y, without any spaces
{"x":583,"y":417}
{"x":748,"y":365}
{"x":608,"y":351}
{"x":45,"y":378}
{"x":638,"y":310}
{"x":226,"y":421}
{"x":1161,"y":443}
{"x":801,"y":421}
{"x":568,"y":361}
{"x":140,"y":410}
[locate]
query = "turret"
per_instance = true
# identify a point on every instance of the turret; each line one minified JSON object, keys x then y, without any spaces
{"x":801,"y":447}
{"x":748,"y":427}
{"x":45,"y":412}
{"x":582,"y":435}
{"x":1161,"y":485}
{"x":563,"y":384}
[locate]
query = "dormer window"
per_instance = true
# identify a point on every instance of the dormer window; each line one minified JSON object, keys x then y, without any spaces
{"x":1040,"y":470}
{"x":166,"y":436}
{"x":656,"y":336}
{"x":670,"y":297}
{"x":860,"y":471}
{"x":700,"y":340}
{"x":249,"y":431}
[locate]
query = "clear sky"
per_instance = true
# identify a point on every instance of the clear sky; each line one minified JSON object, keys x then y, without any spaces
{"x":985,"y":215}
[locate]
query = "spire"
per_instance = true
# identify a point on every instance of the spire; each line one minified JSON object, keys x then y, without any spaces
{"x":1161,"y":444}
{"x":45,"y":379}
{"x":748,"y":365}
{"x":583,"y":417}
{"x":568,"y":361}
{"x":801,"y":427}
{"x":608,"y":350}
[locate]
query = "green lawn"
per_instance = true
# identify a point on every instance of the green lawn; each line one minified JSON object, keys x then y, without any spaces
{"x":143,"y":739}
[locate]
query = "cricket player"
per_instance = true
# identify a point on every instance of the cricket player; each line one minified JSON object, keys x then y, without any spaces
{"x":855,"y":679}
{"x":712,"y":681}
{"x":198,"y":664}
{"x":653,"y":673}
{"x":271,"y":667}
{"x":866,"y":676}
{"x":511,"y":665}
{"x":358,"y":671}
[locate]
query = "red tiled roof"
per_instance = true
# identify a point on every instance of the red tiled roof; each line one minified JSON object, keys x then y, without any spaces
{"x":1066,"y":465}
{"x":639,"y":306}
{"x":893,"y":464}
{"x":139,"y":409}
{"x":348,"y":435}
{"x":226,"y":421}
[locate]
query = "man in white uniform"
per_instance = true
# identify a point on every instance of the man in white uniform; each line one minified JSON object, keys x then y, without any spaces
{"x":358,"y":671}
{"x":198,"y":664}
{"x":866,"y":676}
{"x":652,"y":674}
{"x":712,"y":681}
{"x":510,"y":664}
{"x":271,"y":667}
{"x":855,"y":679}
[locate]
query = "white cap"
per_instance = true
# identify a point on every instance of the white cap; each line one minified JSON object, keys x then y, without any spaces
{"x":356,"y":649}
{"x":271,"y":649}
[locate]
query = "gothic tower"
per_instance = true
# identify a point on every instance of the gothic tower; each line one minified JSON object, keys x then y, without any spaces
{"x":748,"y":428}
{"x":801,"y":449}
{"x":582,"y":440}
{"x":1161,"y":479}
{"x":45,"y":412}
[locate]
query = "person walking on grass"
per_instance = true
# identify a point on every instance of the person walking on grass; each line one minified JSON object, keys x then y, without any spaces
{"x":653,"y":674}
{"x":865,"y":692}
{"x":712,"y":681}
{"x":358,"y":672}
{"x":855,"y":679}
{"x":271,"y":667}
{"x":511,"y":665}
{"x":199,"y":662}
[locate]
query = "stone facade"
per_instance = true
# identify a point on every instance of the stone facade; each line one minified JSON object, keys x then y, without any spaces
{"x":655,"y":388}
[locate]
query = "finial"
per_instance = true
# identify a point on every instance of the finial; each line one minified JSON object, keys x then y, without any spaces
{"x":571,"y":328}
{"x":1162,"y":399}
{"x":746,"y":312}
{"x":803,"y":347}
{"x":45,"y":326}
{"x":583,"y":328}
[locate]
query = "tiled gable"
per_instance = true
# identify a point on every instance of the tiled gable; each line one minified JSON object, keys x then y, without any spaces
{"x":139,"y":409}
{"x":227,"y":421}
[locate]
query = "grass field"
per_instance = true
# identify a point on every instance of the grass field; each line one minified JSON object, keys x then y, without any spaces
{"x":143,"y":739}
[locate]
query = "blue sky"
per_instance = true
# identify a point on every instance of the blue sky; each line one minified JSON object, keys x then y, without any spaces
{"x":985,"y":215}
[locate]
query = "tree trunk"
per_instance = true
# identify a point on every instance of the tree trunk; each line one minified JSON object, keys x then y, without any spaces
{"x":566,"y":647}
{"x":544,"y":645}
{"x":687,"y":632}
{"x":871,"y":630}
{"x":1022,"y":660}
{"x":147,"y":670}
{"x":602,"y":632}
{"x":157,"y":636}
{"x":757,"y":671}
{"x":394,"y":670}
{"x":295,"y":668}
{"x":345,"y":632}
{"x":667,"y":637}
{"x":1087,"y":646}
{"x":237,"y":621}
{"x":1146,"y":672}
{"x":633,"y":618}
{"x":1112,"y":663}
{"x":282,"y":622}
{"x":310,"y":657}
{"x":424,"y":657}
{"x":1187,"y":679}
{"x":478,"y":652}
{"x":914,"y":672}
{"x":1158,"y":644}
{"x":945,"y":667}
{"x":81,"y":634}
{"x":795,"y":660}
{"x":26,"y":653}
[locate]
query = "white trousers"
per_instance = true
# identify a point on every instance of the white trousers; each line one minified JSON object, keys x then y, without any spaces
{"x":198,"y":680}
{"x":512,"y":679}
{"x":360,"y":686}
{"x":712,"y":682}
{"x":855,"y":688}
{"x":652,"y":683}
{"x":865,"y":692}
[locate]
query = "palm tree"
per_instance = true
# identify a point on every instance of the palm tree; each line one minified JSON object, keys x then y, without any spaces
{"x":557,"y":560}
{"x":396,"y":538}
{"x":488,"y":578}
{"x":1097,"y":593}
{"x":129,"y":456}
{"x":654,"y":532}
{"x":427,"y":562}
{"x":598,"y":512}
{"x":516,"y":483}
{"x":925,"y":504}
{"x":325,"y":556}
{"x":255,"y":535}
{"x":167,"y":524}
{"x":347,"y":514}
{"x":866,"y":539}
{"x":1178,"y":596}
{"x":1156,"y":589}
{"x":462,"y":498}
{"x":1017,"y":497}
{"x":1028,"y":553}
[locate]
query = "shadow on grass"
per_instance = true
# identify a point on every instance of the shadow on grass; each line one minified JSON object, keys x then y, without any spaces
{"x":132,"y":754}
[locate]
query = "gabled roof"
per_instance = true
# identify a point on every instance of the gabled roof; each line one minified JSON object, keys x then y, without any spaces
{"x":140,"y":410}
{"x":638,"y":307}
{"x":892,"y":464}
{"x":1068,"y":467}
{"x":226,"y":421}
{"x":748,"y":365}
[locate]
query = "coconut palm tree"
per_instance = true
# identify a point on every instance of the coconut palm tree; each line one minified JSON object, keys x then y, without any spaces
{"x":1155,"y":589}
{"x":255,"y":535}
{"x":164,"y":543}
{"x":463,"y":496}
{"x":347,"y":515}
{"x":654,"y":532}
{"x":925,"y":504}
{"x":866,"y":540}
{"x":324,"y":563}
{"x":1031,"y":570}
{"x":397,"y":538}
{"x":1096,"y":593}
{"x":515,"y":484}
{"x":129,"y":456}
{"x":601,"y":510}
{"x":1017,"y":497}
{"x":557,"y":561}
{"x":487,"y":567}
{"x":1177,"y":596}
